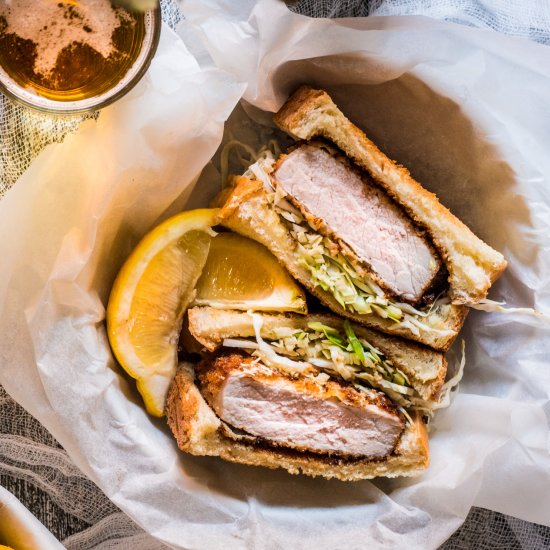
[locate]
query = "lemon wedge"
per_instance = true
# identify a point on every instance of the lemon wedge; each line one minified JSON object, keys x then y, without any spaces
{"x":150,"y":296}
{"x":242,"y":274}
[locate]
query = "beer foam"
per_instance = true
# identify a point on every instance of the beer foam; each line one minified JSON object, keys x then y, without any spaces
{"x":54,"y":25}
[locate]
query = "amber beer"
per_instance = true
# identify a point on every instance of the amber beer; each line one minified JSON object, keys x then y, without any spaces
{"x":73,"y":54}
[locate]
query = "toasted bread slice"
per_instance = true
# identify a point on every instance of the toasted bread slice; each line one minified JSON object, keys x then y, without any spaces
{"x":472,"y":264}
{"x":425,"y":368}
{"x":200,"y":432}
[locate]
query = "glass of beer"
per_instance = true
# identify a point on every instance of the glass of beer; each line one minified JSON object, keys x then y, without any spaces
{"x":73,"y":56}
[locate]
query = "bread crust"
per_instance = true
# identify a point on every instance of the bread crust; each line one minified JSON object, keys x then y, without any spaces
{"x":246,"y":210}
{"x":198,"y":431}
{"x":425,"y":368}
{"x":472,"y":264}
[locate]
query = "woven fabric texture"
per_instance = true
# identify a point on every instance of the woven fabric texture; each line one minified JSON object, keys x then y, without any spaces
{"x":37,"y":469}
{"x":528,"y":19}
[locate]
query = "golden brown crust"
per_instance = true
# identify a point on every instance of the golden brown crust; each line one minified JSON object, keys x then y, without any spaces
{"x":212,"y":373}
{"x":184,"y":406}
{"x":304,"y":102}
{"x":198,"y":435}
{"x":473,"y":265}
{"x":240,"y":189}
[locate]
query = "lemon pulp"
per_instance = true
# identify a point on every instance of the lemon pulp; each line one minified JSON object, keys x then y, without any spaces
{"x":161,"y":296}
{"x":242,"y":274}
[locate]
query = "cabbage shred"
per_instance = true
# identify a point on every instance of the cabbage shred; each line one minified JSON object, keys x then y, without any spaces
{"x":322,"y":351}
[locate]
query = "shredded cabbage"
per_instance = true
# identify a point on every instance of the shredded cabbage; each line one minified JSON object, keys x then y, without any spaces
{"x":270,"y":357}
{"x":241,"y":344}
{"x":322,"y":351}
{"x":452,"y":384}
{"x":496,"y":307}
{"x":250,"y":160}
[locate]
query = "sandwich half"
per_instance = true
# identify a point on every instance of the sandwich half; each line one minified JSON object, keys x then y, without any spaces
{"x":358,"y":231}
{"x":313,"y":394}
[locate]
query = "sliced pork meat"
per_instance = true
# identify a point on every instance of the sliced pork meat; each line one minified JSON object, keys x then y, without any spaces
{"x":358,"y":213}
{"x":301,"y":414}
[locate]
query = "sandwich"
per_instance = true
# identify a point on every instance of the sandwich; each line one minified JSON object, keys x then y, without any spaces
{"x":314,"y":394}
{"x":357,"y":230}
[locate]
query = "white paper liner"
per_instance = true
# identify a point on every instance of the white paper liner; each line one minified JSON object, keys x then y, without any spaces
{"x":463,"y":109}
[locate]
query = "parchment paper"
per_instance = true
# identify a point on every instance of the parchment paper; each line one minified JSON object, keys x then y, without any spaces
{"x":464,"y":109}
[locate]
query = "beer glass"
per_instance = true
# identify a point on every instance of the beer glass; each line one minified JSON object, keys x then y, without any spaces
{"x":73,"y":56}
